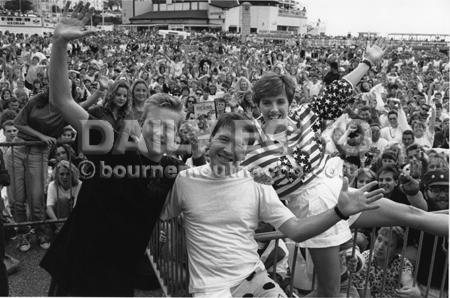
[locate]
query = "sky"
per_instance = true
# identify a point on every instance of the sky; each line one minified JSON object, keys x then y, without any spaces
{"x":382,"y":16}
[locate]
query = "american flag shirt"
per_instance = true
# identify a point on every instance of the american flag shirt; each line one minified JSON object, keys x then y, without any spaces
{"x":296,"y":156}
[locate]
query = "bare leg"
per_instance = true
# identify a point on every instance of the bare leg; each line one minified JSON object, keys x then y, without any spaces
{"x":394,"y":214}
{"x":327,"y":269}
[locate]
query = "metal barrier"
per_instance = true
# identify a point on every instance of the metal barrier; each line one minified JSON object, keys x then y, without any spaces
{"x":169,"y":258}
{"x":23,"y":177}
{"x":169,"y":261}
{"x":361,"y":42}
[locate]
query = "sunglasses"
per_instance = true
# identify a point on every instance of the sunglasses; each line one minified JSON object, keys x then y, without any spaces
{"x":438,"y":189}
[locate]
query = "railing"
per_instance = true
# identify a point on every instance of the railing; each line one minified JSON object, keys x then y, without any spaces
{"x":169,"y":261}
{"x":331,"y":42}
{"x":169,"y":258}
{"x":23,"y":177}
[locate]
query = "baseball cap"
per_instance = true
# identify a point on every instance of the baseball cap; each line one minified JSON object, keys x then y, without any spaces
{"x":436,"y":177}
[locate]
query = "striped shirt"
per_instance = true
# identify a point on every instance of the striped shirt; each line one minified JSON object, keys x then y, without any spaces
{"x":296,"y":156}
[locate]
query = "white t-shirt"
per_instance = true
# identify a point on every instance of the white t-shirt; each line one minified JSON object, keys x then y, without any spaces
{"x":314,"y":89}
{"x":426,"y":140}
{"x":58,"y":193}
{"x":381,"y":144}
{"x":392,"y":135}
{"x":220,"y":216}
{"x":177,"y":68}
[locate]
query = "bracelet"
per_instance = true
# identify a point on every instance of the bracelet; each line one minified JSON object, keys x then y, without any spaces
{"x":340,"y":214}
{"x":367,"y":62}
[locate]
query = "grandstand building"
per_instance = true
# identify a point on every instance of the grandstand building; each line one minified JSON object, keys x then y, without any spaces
{"x":225,"y":15}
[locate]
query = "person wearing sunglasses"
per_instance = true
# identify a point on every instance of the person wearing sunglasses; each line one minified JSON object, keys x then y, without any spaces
{"x":394,"y":130}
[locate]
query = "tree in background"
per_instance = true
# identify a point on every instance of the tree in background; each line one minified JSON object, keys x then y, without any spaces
{"x":16,"y":5}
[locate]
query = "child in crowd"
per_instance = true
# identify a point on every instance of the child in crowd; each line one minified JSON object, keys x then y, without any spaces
{"x":62,"y":193}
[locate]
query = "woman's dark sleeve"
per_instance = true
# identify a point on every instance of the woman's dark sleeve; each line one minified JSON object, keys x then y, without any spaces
{"x":334,"y":100}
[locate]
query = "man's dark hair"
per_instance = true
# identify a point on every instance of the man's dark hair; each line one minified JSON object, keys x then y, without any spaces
{"x":412,"y":147}
{"x":354,"y":160}
{"x":235,"y":120}
{"x":392,"y":113}
{"x":334,"y":65}
{"x":388,"y":169}
{"x":409,"y":132}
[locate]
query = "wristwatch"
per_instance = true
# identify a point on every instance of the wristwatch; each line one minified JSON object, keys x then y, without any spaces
{"x":367,"y":62}
{"x":340,"y":214}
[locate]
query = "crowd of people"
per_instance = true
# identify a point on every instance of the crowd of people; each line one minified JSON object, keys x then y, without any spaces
{"x":331,"y":130}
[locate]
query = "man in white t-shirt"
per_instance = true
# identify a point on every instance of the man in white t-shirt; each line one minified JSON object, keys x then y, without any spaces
{"x":423,"y":136}
{"x":379,"y":143}
{"x":393,"y":132}
{"x":313,"y":86}
{"x":222,"y":206}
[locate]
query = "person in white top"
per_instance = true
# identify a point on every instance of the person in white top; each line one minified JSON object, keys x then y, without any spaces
{"x":313,"y":86}
{"x":63,"y":191}
{"x":424,"y":136}
{"x":379,"y":143}
{"x":62,"y":195}
{"x":393,"y":132}
{"x":222,"y":204}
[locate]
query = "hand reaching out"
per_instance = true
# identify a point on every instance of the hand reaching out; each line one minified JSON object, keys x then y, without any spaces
{"x":375,"y":52}
{"x":409,"y":185}
{"x":357,"y":200}
{"x":51,"y":142}
{"x":103,"y":83}
{"x":72,"y":27}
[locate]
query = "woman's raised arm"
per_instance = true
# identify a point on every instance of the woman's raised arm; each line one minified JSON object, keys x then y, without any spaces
{"x":373,"y":55}
{"x":70,"y":27}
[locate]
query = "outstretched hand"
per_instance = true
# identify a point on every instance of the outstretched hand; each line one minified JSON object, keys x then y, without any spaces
{"x":71,"y":26}
{"x":409,"y":185}
{"x":103,"y":82}
{"x":354,"y":201}
{"x":375,"y":52}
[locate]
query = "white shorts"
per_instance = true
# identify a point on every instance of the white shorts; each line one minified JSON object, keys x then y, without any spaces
{"x":320,"y":195}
